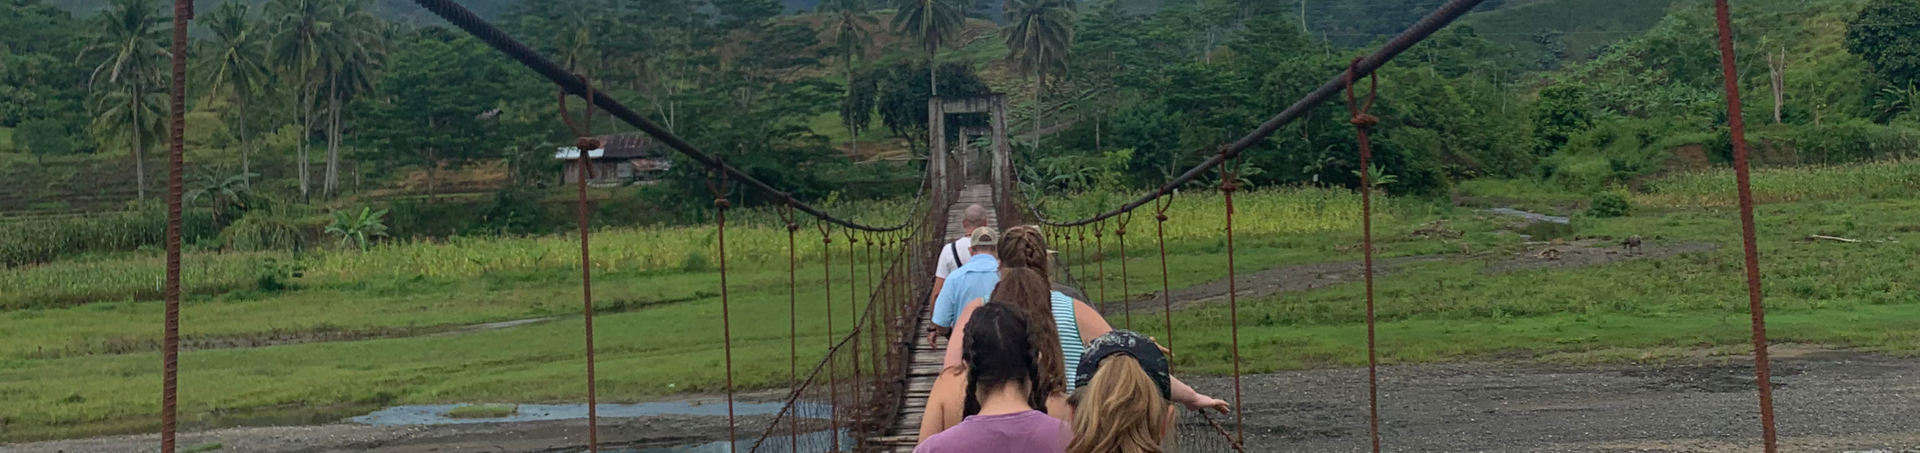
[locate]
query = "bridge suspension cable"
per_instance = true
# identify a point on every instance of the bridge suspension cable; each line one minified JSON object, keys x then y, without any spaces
{"x":461,"y":17}
{"x":1427,"y":26}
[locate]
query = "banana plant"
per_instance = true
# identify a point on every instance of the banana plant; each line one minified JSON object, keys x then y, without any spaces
{"x":356,"y":230}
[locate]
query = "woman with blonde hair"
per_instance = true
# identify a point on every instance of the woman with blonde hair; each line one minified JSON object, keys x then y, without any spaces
{"x":1122,"y":402}
{"x":1025,"y":282}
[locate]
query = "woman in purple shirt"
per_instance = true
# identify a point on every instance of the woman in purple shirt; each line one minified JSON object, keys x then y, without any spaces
{"x":1003,"y":413}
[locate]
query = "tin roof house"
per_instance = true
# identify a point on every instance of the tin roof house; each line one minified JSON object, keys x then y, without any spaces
{"x":622,"y":160}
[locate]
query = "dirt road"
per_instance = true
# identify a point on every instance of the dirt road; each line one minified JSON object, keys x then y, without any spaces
{"x":1826,"y":402}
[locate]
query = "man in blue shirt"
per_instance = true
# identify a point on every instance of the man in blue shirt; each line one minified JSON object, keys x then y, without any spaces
{"x":973,"y":281}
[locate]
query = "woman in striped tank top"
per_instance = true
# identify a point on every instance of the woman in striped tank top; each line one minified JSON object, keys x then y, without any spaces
{"x":1025,"y":282}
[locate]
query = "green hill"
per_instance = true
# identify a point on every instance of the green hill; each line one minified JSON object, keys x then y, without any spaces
{"x":1584,"y":24}
{"x":392,"y":9}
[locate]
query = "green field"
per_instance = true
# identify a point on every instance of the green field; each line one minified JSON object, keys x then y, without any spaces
{"x":387,"y":324}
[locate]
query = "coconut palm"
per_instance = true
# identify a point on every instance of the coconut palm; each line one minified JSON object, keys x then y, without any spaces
{"x":295,"y":51}
{"x":1038,"y":36}
{"x":234,"y":62}
{"x":933,"y":23}
{"x":351,"y":51}
{"x":128,"y":35}
{"x":852,"y":33}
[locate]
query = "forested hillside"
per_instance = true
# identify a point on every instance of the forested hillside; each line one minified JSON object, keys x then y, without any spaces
{"x":1588,"y":94}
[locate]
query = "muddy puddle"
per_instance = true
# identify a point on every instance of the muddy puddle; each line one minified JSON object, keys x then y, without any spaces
{"x":436,"y":414}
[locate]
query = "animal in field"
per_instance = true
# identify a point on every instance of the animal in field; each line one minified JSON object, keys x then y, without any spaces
{"x":1550,"y":254}
{"x":1632,"y":244}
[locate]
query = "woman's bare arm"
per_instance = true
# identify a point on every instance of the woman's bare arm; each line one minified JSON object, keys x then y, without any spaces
{"x":952,"y":358}
{"x":1093,"y":325}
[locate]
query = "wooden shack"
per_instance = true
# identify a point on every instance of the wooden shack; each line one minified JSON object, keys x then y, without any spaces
{"x":622,"y":160}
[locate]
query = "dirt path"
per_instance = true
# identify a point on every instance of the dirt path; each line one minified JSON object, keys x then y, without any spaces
{"x":1826,"y":402}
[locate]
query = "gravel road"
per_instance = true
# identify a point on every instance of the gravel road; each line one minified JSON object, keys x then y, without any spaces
{"x":1828,"y":402}
{"x":1825,"y":402}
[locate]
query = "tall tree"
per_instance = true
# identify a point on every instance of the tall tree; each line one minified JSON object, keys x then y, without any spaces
{"x":351,"y":50}
{"x":126,"y":82}
{"x":1886,"y":34}
{"x":852,"y":33}
{"x":234,"y":63}
{"x":932,"y":23}
{"x":1039,"y":35}
{"x":296,"y":52}
{"x":426,"y":108}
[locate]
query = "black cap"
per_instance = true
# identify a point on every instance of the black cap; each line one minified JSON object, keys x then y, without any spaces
{"x":1132,"y":344}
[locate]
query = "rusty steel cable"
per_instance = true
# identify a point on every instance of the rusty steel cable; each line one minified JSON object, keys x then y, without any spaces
{"x":1756,"y":304}
{"x":1166,"y":283}
{"x":793,"y":317}
{"x":853,"y":311}
{"x":584,"y":143}
{"x":1362,"y":122}
{"x":176,"y":174}
{"x":1419,"y":31}
{"x":1229,"y":183}
{"x":720,"y":205}
{"x":1081,"y":247}
{"x":833,"y":375}
{"x":1100,"y":264}
{"x":1126,"y":293}
{"x":486,"y":32}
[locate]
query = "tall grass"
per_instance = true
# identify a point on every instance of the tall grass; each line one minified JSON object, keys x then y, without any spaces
{"x":1202,"y":214}
{"x":755,"y":238}
{"x":1715,"y":188}
{"x":42,"y":240}
{"x":138,"y":277}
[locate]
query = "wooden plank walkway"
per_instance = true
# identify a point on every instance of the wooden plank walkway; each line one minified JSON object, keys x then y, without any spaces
{"x":925,"y":364}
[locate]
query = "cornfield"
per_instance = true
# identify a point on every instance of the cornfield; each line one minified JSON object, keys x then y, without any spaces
{"x":1202,"y":214}
{"x":755,"y":238}
{"x":1715,"y":188}
{"x":128,"y":278}
{"x":42,"y":240}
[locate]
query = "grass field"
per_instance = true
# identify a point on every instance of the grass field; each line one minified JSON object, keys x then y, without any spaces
{"x":92,"y":366}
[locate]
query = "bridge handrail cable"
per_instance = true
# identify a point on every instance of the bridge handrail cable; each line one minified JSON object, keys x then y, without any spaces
{"x":1427,"y":26}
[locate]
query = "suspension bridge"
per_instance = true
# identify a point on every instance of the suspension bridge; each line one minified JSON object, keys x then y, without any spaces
{"x":870,"y":390}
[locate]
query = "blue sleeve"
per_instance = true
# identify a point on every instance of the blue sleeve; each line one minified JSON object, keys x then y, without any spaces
{"x":946,"y":310}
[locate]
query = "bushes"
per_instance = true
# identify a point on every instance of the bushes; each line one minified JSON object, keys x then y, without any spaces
{"x":1609,"y":204}
{"x":35,"y":241}
{"x":1850,"y":141}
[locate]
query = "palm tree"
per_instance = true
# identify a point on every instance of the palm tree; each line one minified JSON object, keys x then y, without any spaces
{"x":295,"y":51}
{"x":129,"y":35}
{"x":851,"y":35}
{"x":234,"y":63}
{"x":1039,"y":35}
{"x":933,"y":23}
{"x":351,"y":50}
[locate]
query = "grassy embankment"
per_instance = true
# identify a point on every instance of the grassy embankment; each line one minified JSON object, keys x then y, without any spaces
{"x":81,"y":369}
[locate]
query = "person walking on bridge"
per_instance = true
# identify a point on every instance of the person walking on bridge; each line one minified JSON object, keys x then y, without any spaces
{"x":973,"y":281}
{"x":1025,"y":263}
{"x":953,"y":256}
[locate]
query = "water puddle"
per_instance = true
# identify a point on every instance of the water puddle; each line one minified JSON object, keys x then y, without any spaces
{"x":436,"y":414}
{"x":1532,"y":216}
